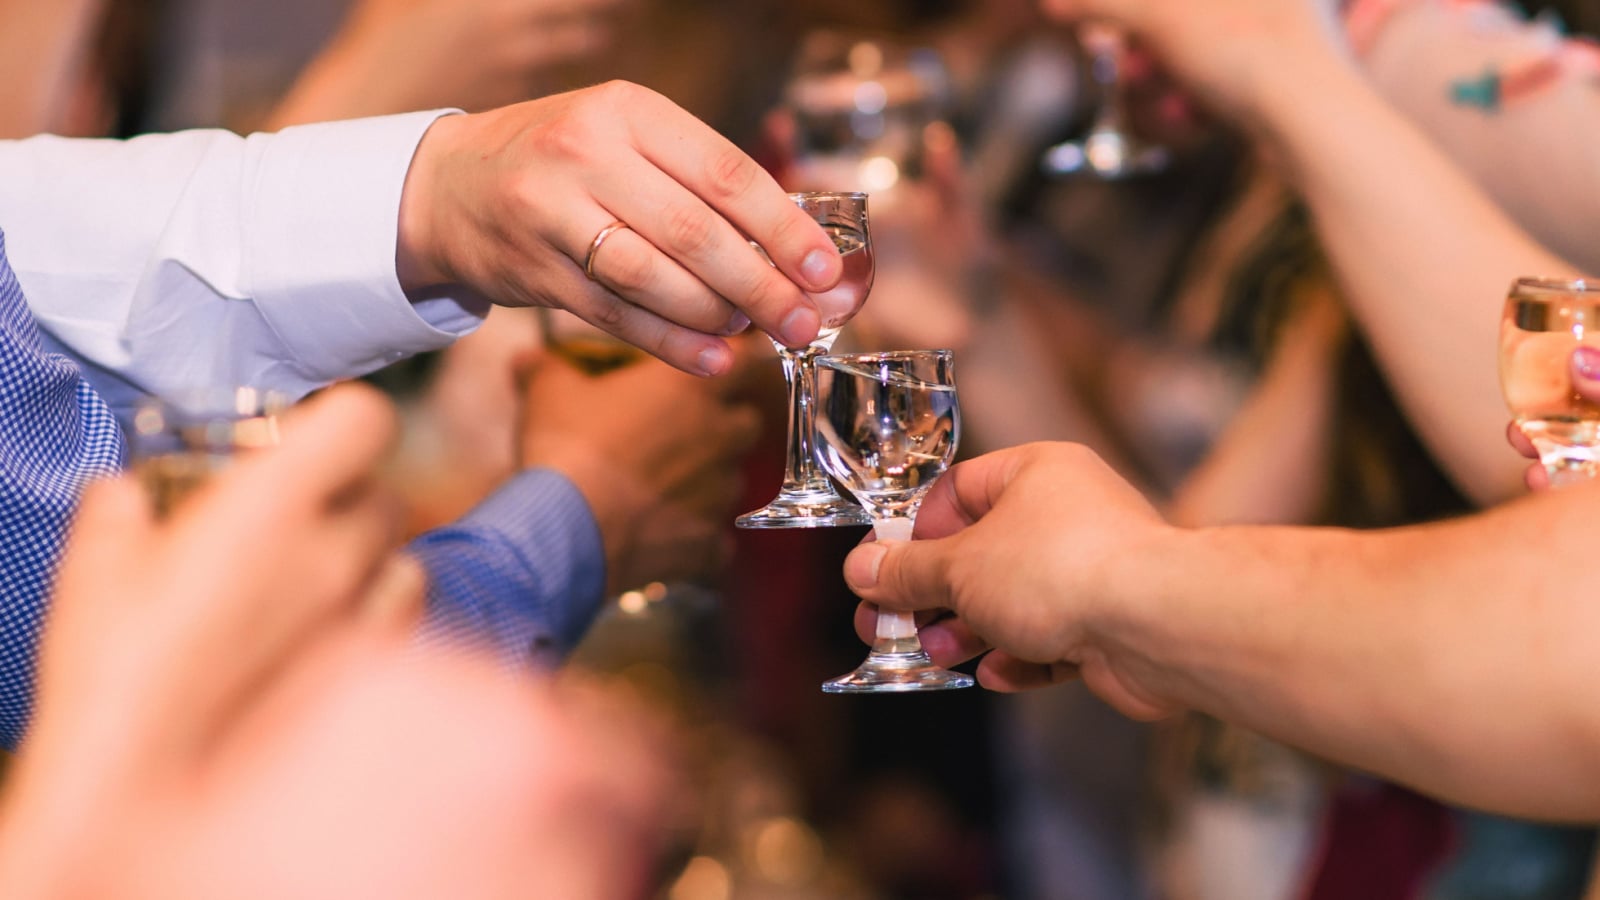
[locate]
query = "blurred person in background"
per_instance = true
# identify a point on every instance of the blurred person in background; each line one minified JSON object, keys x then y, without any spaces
{"x":231,"y":699}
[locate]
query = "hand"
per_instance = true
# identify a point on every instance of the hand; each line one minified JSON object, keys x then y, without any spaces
{"x":507,"y":203}
{"x":1030,"y":549}
{"x":222,"y":714}
{"x":1585,"y":377}
{"x":656,"y":454}
{"x":1222,"y":49}
{"x":394,"y":56}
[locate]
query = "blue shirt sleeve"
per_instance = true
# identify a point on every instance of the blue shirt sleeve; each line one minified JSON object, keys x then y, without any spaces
{"x":55,"y":436}
{"x":523,"y":573}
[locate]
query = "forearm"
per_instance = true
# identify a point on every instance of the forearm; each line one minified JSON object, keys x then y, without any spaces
{"x":1455,"y":657}
{"x":1422,"y":255}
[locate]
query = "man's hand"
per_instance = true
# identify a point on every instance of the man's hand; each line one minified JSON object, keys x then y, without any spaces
{"x":655,"y":452}
{"x":1031,"y":548}
{"x":508,"y":202}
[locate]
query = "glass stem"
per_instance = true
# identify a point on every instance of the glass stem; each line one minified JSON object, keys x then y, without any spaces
{"x":1107,"y":73}
{"x":900,"y":628}
{"x":800,"y":471}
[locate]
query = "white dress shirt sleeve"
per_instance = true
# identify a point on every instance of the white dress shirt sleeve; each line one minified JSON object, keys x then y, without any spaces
{"x":202,"y":257}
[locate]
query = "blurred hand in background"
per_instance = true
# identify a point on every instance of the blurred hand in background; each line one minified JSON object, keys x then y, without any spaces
{"x":230,"y":706}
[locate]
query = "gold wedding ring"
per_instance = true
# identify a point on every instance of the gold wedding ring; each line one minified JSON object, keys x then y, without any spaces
{"x":594,"y":246}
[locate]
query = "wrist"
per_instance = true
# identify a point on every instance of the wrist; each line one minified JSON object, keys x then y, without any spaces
{"x":1288,"y":114}
{"x":420,"y":260}
{"x":1140,"y":619}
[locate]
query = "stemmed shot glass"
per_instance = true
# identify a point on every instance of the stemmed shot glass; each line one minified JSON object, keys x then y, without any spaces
{"x":888,"y":426}
{"x":807,"y":499}
{"x":177,"y":444}
{"x":1544,"y":321}
{"x":1109,"y":149}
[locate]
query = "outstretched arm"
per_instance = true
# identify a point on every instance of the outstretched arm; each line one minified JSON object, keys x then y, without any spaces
{"x":1422,"y":255}
{"x":320,"y":252}
{"x":1452,"y":657}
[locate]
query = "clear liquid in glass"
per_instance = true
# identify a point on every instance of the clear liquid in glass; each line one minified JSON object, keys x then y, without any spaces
{"x":887,"y":440}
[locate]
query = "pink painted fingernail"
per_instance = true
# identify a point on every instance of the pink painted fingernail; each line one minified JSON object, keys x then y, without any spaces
{"x":1586,"y":360}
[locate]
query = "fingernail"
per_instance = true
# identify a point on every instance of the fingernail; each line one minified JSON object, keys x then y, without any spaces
{"x":864,"y":564}
{"x":1587,"y":361}
{"x":799,"y":327}
{"x":713,"y":360}
{"x":737,"y":324}
{"x":818,"y":269}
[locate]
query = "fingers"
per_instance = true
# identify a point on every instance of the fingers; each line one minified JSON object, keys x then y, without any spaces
{"x":683,"y":348}
{"x":1000,"y":671}
{"x":1519,"y":441}
{"x":628,"y":263}
{"x":902,"y":575}
{"x":282,"y":542}
{"x":680,"y":220}
{"x":731,"y":183}
{"x":1536,"y":478}
{"x":967,"y":492}
{"x":948,"y":639}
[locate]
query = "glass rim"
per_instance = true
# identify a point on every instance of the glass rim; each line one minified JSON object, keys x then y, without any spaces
{"x":1556,"y":285}
{"x":860,"y":365}
{"x":844,"y":359}
{"x":813,"y":195}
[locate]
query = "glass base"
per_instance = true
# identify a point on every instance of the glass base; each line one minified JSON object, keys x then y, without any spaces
{"x":895,"y":673}
{"x":811,"y":509}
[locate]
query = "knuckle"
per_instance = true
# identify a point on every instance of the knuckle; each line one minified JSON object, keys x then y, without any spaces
{"x":617,"y":92}
{"x":730,"y":175}
{"x":630,"y":270}
{"x":690,"y":231}
{"x":569,"y":137}
{"x":771,"y":292}
{"x":611,"y":314}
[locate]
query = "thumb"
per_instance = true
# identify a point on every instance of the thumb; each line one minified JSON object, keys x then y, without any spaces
{"x":903,"y":575}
